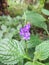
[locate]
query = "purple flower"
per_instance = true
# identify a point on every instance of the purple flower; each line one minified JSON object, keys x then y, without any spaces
{"x":27,"y":26}
{"x":27,"y":35}
{"x":24,"y":32}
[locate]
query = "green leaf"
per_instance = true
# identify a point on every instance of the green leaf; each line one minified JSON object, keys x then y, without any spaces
{"x":34,"y":41}
{"x":37,"y":63}
{"x":8,"y":21}
{"x":4,"y":28}
{"x":21,"y":62}
{"x":42,"y":51}
{"x":46,"y":63}
{"x":11,"y":3}
{"x":45,"y":11}
{"x":11,"y":51}
{"x":36,"y":19}
{"x":1,"y":34}
{"x":1,"y":63}
{"x":29,"y":63}
{"x":34,"y":63}
{"x":47,"y":1}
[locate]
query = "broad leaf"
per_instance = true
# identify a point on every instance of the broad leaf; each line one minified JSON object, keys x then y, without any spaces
{"x":34,"y":41}
{"x":46,"y":12}
{"x":34,"y":63}
{"x":11,"y":51}
{"x":36,"y":19}
{"x":29,"y":63}
{"x":42,"y":51}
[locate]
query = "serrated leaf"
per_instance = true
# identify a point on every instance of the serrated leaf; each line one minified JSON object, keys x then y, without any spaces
{"x":8,"y":21}
{"x":1,"y":34}
{"x":45,"y":11}
{"x":36,"y":19}
{"x":4,"y":28}
{"x":20,"y":63}
{"x":42,"y":51}
{"x":34,"y":41}
{"x":11,"y":51}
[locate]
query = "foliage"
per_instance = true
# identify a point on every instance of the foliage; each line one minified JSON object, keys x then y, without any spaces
{"x":14,"y":49}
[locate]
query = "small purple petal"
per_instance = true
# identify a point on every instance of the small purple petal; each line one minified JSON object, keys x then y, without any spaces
{"x":27,"y":26}
{"x":24,"y":32}
{"x":27,"y":36}
{"x":21,"y":31}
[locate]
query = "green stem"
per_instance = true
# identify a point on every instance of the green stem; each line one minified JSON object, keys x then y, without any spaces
{"x":27,"y":58}
{"x":47,"y":32}
{"x":25,"y":17}
{"x":26,"y":48}
{"x":34,"y":59}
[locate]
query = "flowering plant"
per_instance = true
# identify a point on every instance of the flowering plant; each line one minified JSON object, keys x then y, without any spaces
{"x":24,"y":39}
{"x":24,"y":32}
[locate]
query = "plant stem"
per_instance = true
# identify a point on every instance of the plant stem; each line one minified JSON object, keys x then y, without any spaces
{"x":27,"y":58}
{"x":26,"y":48}
{"x":47,"y":32}
{"x":25,"y":16}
